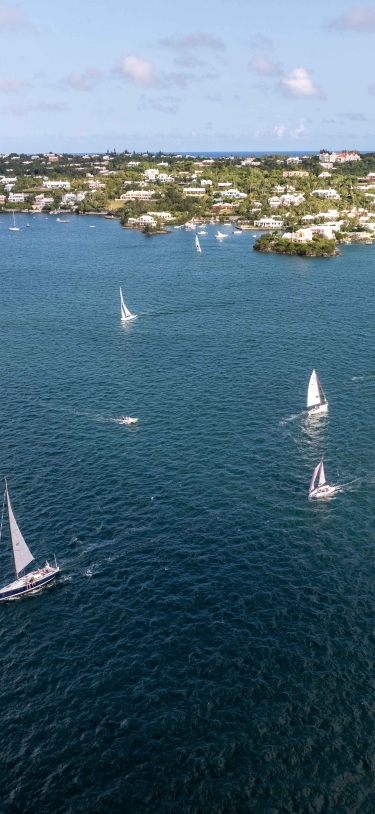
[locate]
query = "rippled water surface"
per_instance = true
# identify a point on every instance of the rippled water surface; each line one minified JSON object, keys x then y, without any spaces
{"x":210,"y":644}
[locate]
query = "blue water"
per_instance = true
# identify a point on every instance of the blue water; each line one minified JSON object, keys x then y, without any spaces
{"x":210,"y":644}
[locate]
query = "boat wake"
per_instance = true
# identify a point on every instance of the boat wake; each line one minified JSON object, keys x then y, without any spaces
{"x":291,"y":418}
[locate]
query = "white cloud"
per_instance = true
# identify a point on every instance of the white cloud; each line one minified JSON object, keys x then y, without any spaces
{"x":259,"y":41}
{"x":353,"y":117}
{"x":359,"y":18}
{"x":263,"y":66}
{"x":196,"y":40}
{"x":166,"y":104}
{"x":299,"y":131}
{"x":44,"y":107}
{"x":9,"y":84}
{"x":12,"y":18}
{"x":85,"y":81}
{"x":136,"y":70}
{"x":298,"y":84}
{"x":279,"y":130}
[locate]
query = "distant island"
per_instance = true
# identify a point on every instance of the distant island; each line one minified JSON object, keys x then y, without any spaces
{"x":330,"y":194}
{"x":315,"y":247}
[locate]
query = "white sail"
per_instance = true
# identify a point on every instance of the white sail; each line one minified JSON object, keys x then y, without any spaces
{"x":313,"y":394}
{"x":322,"y":477}
{"x":315,"y":472}
{"x":21,"y":552}
{"x":197,"y":244}
{"x":125,"y":313}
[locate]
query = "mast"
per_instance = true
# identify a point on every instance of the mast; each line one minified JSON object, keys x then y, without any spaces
{"x":8,"y":502}
{"x":325,"y":401}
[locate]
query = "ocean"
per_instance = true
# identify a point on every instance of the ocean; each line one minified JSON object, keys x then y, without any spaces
{"x":210,"y":643}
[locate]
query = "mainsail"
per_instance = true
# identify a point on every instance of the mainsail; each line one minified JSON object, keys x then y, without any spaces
{"x":125,"y":313}
{"x":21,"y":553}
{"x":313,"y":393}
{"x":315,"y":472}
{"x":322,"y":477}
{"x":197,"y":244}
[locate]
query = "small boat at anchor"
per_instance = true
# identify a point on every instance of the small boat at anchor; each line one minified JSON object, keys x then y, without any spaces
{"x":127,"y":419}
{"x":14,"y":228}
{"x":220,"y":235}
{"x":126,"y":315}
{"x":197,"y":244}
{"x":24,"y":583}
{"x":323,"y":489}
{"x":316,"y":398}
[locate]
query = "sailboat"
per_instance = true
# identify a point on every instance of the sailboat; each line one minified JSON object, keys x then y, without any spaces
{"x":316,"y":397}
{"x":22,"y":557}
{"x":126,"y":315}
{"x":197,"y":244}
{"x":220,"y":235}
{"x":322,"y":490}
{"x":14,"y":228}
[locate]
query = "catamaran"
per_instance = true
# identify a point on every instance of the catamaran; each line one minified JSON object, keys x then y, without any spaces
{"x":22,"y":557}
{"x":197,"y":244}
{"x":322,"y":490}
{"x":14,"y":228}
{"x":126,"y":315}
{"x":316,"y":397}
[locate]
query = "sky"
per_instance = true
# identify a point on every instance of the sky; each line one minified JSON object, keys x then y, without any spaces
{"x":85,"y":75}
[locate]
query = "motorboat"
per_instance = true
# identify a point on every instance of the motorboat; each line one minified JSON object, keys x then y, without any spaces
{"x":316,"y":397}
{"x":202,"y":232}
{"x":220,"y":235}
{"x":323,"y":489}
{"x":32,"y":581}
{"x":127,"y":419}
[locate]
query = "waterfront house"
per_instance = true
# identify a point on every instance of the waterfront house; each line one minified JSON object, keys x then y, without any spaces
{"x":269,"y":223}
{"x":16,"y":197}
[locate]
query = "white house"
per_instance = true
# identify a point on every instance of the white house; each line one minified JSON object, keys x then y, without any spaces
{"x":289,"y":199}
{"x":299,"y":236}
{"x":223,"y":184}
{"x":324,"y":175}
{"x":146,"y":220}
{"x":194,"y":191}
{"x":56,"y":184}
{"x":165,"y":178}
{"x":269,"y":223}
{"x":16,"y":197}
{"x":206,"y":182}
{"x":162,"y":215}
{"x":234,"y":193}
{"x":274,"y":202}
{"x":293,"y":159}
{"x":137,"y":194}
{"x":326,"y":193}
{"x":151,"y":174}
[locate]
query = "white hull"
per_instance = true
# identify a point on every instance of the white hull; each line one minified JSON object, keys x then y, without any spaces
{"x":129,"y":319}
{"x":320,"y":408}
{"x":129,"y":420}
{"x":323,"y":491}
{"x":29,"y":584}
{"x":13,"y":228}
